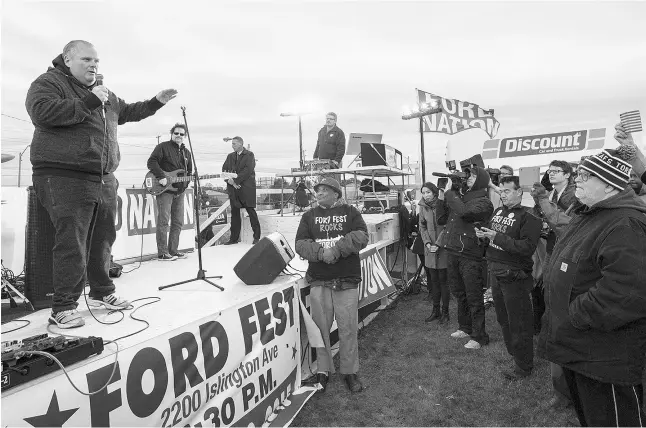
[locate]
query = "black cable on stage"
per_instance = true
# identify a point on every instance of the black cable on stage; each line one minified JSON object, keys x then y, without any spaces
{"x":297,"y":270}
{"x":105,"y":342}
{"x":110,"y":312}
{"x":17,"y":328}
{"x":157,"y":299}
{"x":141,"y":250}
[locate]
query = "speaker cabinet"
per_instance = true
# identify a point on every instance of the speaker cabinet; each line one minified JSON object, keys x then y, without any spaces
{"x":39,"y":245}
{"x":265,"y":260}
{"x":374,"y":154}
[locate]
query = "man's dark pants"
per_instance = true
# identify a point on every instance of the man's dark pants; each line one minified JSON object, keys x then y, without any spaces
{"x":465,"y":280}
{"x":170,"y":206}
{"x":515,"y":315}
{"x":236,"y":222}
{"x":605,"y":404}
{"x":83,"y":213}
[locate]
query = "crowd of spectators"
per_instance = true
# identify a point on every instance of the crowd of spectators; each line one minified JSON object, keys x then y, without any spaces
{"x":570,"y":270}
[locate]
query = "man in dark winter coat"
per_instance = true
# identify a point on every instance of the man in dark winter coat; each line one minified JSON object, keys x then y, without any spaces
{"x":513,"y":233}
{"x":331,"y":141}
{"x":330,"y":237}
{"x":596,"y":296}
{"x":242,"y":189}
{"x":167,"y":157}
{"x":74,"y":153}
{"x":464,"y":275}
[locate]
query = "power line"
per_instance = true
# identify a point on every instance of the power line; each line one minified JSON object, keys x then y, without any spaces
{"x":17,"y":118}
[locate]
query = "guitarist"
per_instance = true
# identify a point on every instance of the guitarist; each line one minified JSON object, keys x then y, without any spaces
{"x":242,"y":189}
{"x":169,"y":156}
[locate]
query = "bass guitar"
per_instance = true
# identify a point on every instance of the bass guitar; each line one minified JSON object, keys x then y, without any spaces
{"x":152,"y":185}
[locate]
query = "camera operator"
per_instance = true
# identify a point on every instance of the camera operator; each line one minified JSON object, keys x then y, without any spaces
{"x":468,"y":204}
{"x":513,"y":234}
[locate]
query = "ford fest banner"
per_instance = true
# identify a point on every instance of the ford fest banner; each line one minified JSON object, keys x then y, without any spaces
{"x":561,"y":142}
{"x":238,"y":367}
{"x":456,"y":116}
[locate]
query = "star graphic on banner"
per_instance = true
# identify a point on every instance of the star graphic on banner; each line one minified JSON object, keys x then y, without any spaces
{"x":294,"y":352}
{"x":54,"y":416}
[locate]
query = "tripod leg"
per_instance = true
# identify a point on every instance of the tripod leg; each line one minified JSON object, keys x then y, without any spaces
{"x":214,"y":284}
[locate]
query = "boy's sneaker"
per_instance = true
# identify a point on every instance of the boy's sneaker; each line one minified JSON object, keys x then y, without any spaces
{"x":472,"y":344}
{"x":179,"y":255}
{"x":459,"y":335}
{"x":111,"y":301}
{"x":67,"y":319}
{"x":166,"y":258}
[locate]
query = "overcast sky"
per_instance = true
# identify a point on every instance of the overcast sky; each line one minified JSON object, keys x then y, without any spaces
{"x":544,"y":67}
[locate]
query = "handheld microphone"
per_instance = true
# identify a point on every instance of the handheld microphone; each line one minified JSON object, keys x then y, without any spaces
{"x":99,"y":82}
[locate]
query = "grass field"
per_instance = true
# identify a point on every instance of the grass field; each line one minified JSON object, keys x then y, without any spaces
{"x":414,"y":374}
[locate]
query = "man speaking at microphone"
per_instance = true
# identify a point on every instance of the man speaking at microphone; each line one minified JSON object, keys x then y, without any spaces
{"x":74,"y":153}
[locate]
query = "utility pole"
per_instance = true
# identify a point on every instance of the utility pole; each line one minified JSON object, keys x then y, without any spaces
{"x":20,"y":163}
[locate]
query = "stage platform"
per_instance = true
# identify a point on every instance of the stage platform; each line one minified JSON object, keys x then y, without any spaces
{"x":207,"y":355}
{"x":208,"y":358}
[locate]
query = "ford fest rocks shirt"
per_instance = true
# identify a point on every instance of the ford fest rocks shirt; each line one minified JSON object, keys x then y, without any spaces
{"x":334,"y":228}
{"x":518,"y":231}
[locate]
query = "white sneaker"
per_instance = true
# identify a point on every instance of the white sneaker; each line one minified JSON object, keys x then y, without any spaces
{"x":472,"y":344}
{"x":67,"y":319}
{"x":459,"y":334}
{"x":111,"y":301}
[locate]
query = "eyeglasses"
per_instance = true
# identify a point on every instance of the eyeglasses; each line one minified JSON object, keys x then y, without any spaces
{"x":554,"y":171}
{"x":584,"y":175}
{"x":178,"y":133}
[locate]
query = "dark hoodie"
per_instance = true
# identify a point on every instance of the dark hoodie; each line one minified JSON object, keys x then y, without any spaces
{"x":595,"y":298}
{"x":465,"y":210}
{"x":69,"y":135}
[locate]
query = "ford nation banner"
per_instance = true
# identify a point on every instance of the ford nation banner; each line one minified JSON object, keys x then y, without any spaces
{"x":456,"y":116}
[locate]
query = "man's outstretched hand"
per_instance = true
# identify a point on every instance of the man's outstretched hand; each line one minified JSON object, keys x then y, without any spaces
{"x":166,"y":95}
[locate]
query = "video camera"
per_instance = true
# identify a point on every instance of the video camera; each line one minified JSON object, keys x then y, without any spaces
{"x":459,"y":178}
{"x":494,"y":173}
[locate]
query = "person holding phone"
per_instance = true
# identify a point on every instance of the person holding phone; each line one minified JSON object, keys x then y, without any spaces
{"x":432,"y":218}
{"x":513,"y":234}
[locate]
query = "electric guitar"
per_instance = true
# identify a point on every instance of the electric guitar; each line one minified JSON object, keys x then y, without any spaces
{"x":152,"y":185}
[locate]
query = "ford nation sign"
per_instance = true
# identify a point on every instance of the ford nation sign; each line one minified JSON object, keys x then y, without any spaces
{"x":571,"y":141}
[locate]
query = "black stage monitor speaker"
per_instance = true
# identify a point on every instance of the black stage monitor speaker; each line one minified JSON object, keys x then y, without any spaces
{"x":265,"y":260}
{"x":373,"y":154}
{"x":39,"y":261}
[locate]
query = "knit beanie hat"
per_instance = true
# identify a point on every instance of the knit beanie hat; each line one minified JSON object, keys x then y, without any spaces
{"x":610,"y":166}
{"x":331,"y":183}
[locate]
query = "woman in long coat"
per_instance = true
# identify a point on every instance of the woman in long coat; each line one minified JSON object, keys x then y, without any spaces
{"x":432,"y":218}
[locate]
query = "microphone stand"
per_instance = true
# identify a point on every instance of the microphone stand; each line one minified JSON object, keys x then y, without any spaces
{"x":196,"y":184}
